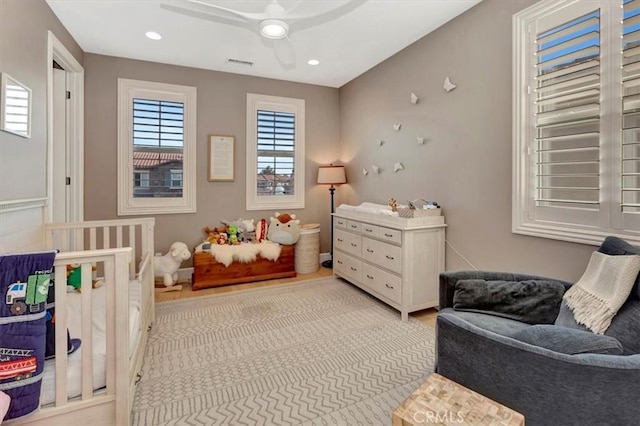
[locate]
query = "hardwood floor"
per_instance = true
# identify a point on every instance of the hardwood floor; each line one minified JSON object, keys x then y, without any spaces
{"x":427,"y":316}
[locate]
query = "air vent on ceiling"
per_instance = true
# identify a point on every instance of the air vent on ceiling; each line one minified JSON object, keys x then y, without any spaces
{"x":239,"y":62}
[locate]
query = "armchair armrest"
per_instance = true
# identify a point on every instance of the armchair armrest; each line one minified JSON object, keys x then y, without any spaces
{"x":448,"y":281}
{"x":548,"y":387}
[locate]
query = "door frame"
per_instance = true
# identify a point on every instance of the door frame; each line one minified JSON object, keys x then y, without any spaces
{"x":75,"y":127}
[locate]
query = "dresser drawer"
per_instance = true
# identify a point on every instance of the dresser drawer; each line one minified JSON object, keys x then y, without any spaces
{"x":348,"y":242}
{"x":369,"y":230}
{"x":347,"y":266}
{"x":390,"y":235}
{"x":382,"y":282}
{"x":353,"y":226}
{"x":340,"y":222}
{"x":382,"y":254}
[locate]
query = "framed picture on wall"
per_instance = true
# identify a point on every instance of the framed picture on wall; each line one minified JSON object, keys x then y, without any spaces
{"x":221,"y":158}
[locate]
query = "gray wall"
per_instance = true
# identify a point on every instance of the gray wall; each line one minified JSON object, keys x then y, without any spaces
{"x":221,"y":110}
{"x":24,"y":26}
{"x":465,"y":164}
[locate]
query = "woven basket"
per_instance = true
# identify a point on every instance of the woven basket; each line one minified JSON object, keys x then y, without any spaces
{"x":307,"y":251}
{"x":410,"y":213}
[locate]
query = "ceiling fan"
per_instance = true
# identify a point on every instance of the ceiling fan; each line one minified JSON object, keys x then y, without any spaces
{"x":275,"y":24}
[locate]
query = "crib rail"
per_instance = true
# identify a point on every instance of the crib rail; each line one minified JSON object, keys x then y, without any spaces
{"x":103,"y":234}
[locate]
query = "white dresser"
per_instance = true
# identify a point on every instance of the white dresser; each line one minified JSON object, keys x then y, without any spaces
{"x":395,"y":259}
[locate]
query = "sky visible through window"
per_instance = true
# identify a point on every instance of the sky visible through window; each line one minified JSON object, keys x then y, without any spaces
{"x":591,"y":33}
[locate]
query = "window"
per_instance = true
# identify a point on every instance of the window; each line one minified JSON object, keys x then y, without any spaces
{"x":577,"y":120}
{"x":156,"y":148}
{"x":275,"y":153}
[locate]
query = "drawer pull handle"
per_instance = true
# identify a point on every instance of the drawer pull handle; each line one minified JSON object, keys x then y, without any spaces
{"x":389,"y":257}
{"x":388,"y":235}
{"x":340,"y":262}
{"x":354,"y":245}
{"x":388,"y":286}
{"x":369,"y":250}
{"x":340,"y":239}
{"x":369,"y":276}
{"x":369,"y":230}
{"x":353,"y":269}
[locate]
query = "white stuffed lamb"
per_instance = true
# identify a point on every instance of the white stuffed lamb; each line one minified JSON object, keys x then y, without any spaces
{"x":166,"y":266}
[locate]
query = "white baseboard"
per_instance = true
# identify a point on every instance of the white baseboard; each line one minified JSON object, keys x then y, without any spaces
{"x":325,"y":256}
{"x":185,"y":274}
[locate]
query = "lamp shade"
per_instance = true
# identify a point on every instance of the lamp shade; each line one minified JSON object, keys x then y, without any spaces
{"x":331,"y":175}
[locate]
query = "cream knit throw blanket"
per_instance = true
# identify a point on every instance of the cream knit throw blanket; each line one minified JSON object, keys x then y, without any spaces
{"x":602,"y":290}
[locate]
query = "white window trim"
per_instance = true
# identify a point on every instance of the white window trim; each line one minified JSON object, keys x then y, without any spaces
{"x":523,"y":221}
{"x":257,"y":102}
{"x":127,"y":204}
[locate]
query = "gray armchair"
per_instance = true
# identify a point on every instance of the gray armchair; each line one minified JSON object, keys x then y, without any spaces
{"x":481,"y":352}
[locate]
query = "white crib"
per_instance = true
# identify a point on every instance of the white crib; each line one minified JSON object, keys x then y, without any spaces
{"x":122,"y":251}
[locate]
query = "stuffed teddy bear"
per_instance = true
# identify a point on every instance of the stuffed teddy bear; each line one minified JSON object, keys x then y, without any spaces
{"x":284,"y":229}
{"x":166,"y":266}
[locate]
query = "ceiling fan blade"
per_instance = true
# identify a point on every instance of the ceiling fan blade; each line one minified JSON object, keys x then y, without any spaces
{"x":188,"y":7}
{"x":205,"y":14}
{"x":318,"y":9}
{"x":285,"y":53}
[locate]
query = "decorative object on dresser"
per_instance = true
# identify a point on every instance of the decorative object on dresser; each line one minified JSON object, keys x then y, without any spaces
{"x":398,"y":260}
{"x":331,"y":175}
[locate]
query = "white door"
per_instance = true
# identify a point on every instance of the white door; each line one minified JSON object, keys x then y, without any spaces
{"x":60,"y":196}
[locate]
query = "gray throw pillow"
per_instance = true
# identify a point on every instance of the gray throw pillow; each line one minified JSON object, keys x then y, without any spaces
{"x":569,"y":340}
{"x":530,"y":301}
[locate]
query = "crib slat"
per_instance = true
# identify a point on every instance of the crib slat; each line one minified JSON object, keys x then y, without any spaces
{"x":61,"y":336}
{"x":92,"y":238}
{"x":118,"y":236}
{"x":109,"y":279}
{"x":87,"y":331}
{"x":64,"y":243}
{"x":78,"y":244}
{"x":105,"y":237}
{"x":132,"y":244}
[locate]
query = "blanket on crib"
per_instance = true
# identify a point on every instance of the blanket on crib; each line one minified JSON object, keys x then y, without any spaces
{"x":24,"y":284}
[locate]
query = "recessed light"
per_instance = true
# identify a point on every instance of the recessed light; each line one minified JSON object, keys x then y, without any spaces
{"x":153,"y":35}
{"x":313,"y":62}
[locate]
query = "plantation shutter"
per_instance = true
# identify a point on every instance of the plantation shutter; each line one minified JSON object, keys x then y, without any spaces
{"x":276,"y":152}
{"x":158,"y":148}
{"x":631,"y":108}
{"x":567,"y":112}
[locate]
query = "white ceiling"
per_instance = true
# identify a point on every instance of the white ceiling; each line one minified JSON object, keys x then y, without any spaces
{"x":365,"y":34}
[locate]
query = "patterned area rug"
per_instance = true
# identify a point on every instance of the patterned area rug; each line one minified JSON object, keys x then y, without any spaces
{"x":315,"y":353}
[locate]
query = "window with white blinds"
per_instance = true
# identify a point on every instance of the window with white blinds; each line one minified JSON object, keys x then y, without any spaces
{"x":577,"y":120}
{"x":276,"y":149}
{"x":567,"y":119}
{"x":156,"y":148}
{"x":631,"y":107}
{"x":275,"y":152}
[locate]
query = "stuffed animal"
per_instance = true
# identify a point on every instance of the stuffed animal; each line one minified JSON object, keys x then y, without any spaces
{"x":247,"y":225}
{"x":166,"y":266}
{"x":223,"y":238}
{"x":212,"y":235}
{"x":74,"y":278}
{"x":247,"y":237}
{"x":261,"y":230}
{"x":284,"y":229}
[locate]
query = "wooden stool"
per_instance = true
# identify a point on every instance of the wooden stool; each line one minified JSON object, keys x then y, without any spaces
{"x":440,"y":401}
